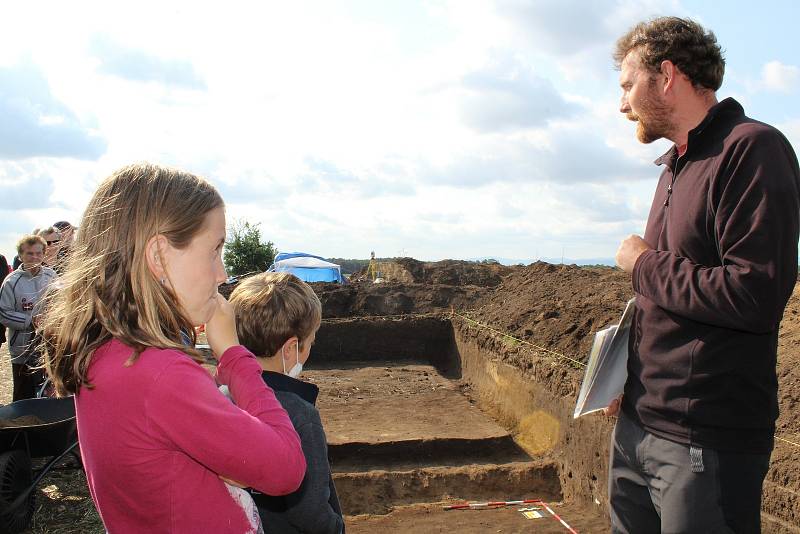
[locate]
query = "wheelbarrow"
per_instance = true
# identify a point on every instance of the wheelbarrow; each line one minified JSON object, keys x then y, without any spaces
{"x":31,"y":428}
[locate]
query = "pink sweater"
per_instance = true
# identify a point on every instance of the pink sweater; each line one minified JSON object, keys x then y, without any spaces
{"x":154,"y":437}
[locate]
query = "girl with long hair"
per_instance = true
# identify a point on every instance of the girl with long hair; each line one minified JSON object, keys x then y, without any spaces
{"x":158,"y":440}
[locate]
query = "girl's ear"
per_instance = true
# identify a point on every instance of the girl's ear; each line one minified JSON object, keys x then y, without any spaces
{"x":154,"y":256}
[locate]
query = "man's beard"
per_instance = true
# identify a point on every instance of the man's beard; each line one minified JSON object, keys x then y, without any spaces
{"x":653,"y":122}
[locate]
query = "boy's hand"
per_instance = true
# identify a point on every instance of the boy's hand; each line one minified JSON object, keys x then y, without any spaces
{"x":613,"y":408}
{"x":221,"y":328}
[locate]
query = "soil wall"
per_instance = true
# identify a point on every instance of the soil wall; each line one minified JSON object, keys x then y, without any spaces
{"x":534,"y":395}
{"x":428,"y":338}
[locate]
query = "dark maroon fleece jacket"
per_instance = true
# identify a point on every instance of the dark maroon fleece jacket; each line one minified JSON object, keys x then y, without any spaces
{"x":711,"y":293}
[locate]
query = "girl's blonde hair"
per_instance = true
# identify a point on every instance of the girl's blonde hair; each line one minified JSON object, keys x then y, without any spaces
{"x":107,"y":290}
{"x":271,"y":308}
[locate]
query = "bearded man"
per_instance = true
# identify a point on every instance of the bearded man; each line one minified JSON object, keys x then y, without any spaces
{"x":712,"y":277}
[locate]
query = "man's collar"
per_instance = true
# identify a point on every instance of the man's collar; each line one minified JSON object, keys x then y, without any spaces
{"x":27,"y":272}
{"x":728,"y":106}
{"x":281,"y":382}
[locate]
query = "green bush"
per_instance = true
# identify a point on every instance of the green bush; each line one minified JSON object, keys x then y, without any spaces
{"x":245,"y":252}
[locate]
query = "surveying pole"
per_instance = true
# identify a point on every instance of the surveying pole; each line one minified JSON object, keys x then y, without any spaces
{"x":372,"y":268}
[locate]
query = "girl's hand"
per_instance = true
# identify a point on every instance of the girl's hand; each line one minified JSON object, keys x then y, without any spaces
{"x":221,"y":328}
{"x":231,"y":482}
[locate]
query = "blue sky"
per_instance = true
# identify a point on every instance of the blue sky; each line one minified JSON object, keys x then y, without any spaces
{"x":438,"y":129}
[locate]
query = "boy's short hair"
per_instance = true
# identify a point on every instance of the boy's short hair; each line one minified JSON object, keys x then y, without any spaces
{"x":272,"y":307}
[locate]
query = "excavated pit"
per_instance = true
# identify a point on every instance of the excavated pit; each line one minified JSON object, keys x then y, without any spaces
{"x":424,"y":410}
{"x":416,"y":417}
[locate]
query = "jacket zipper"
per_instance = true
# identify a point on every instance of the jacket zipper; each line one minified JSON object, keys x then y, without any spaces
{"x":672,"y":182}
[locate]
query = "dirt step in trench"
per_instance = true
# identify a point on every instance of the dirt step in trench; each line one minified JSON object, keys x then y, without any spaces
{"x":403,"y":440}
{"x":430,"y":519}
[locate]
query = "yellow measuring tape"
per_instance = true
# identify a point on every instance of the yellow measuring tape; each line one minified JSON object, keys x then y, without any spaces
{"x":787,"y":441}
{"x":522,"y":341}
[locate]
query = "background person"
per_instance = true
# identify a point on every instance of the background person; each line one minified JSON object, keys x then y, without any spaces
{"x":52,"y":237}
{"x":20,"y":297}
{"x":712,"y":277}
{"x":156,"y":436}
{"x":4,"y":271}
{"x":277,"y":317}
{"x":67,"y":232}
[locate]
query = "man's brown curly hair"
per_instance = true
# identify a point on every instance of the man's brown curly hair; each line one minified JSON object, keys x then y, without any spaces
{"x":683,"y":42}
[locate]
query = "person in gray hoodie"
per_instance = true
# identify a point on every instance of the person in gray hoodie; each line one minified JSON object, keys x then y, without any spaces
{"x":277,"y":317}
{"x":20,"y":296}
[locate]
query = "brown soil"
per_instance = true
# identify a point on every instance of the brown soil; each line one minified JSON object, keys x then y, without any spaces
{"x":368,"y":299}
{"x":355,"y":402}
{"x":25,"y":420}
{"x":400,"y":434}
{"x":507,"y":520}
{"x":557,"y":306}
{"x":363,"y":298}
{"x":446,"y":272}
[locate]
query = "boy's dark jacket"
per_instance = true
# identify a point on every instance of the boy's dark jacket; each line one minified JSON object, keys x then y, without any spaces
{"x":314,"y":508}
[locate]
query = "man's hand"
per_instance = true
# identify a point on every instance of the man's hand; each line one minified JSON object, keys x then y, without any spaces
{"x":629,"y":251}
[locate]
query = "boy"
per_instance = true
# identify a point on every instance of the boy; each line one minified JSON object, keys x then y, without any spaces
{"x":277,"y":317}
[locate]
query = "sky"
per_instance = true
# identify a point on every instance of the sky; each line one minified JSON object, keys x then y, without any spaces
{"x":431,"y":129}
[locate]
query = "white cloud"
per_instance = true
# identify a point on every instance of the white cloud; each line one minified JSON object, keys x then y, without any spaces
{"x":558,"y":27}
{"x":579,"y":36}
{"x":35,"y":123}
{"x":23,"y":189}
{"x":508,"y":95}
{"x":775,"y":76}
{"x":136,"y":65}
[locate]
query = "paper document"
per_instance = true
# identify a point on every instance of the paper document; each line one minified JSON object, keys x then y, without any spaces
{"x":607,"y":368}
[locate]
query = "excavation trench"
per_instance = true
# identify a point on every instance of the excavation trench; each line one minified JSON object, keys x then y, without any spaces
{"x":419,"y":412}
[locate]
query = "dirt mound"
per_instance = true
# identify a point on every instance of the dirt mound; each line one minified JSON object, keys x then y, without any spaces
{"x":366,"y":299}
{"x":789,"y":370}
{"x":560,"y":307}
{"x":409,"y":286}
{"x":445,"y":272}
{"x":557,"y":306}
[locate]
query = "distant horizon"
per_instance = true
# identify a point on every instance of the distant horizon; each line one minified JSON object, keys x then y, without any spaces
{"x":503,"y":261}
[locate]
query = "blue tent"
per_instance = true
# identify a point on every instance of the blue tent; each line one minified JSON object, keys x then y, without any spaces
{"x":307,"y":267}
